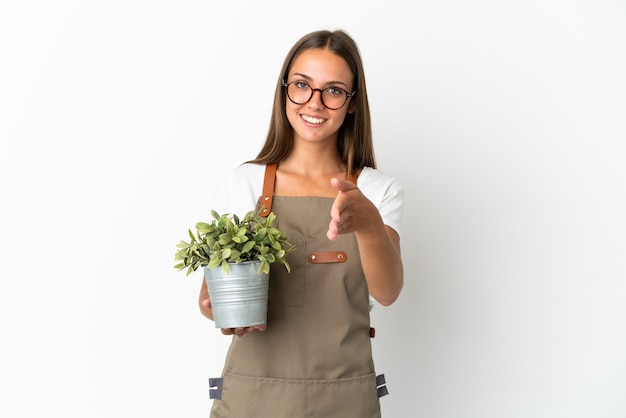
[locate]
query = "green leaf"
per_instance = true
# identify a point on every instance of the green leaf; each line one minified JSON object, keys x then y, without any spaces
{"x":234,"y":256}
{"x":249,"y":216}
{"x":225,"y":267}
{"x":203,"y":226}
{"x":261,"y":235}
{"x":214,"y":262}
{"x":225,"y":238}
{"x":248,"y":246}
{"x":264,"y":268}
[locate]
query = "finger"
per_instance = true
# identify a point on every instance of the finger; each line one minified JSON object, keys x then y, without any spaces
{"x":333,"y":230}
{"x":332,"y":233}
{"x":339,"y":205}
{"x":342,"y":185}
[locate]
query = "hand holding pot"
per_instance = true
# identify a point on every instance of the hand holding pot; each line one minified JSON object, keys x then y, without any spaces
{"x":242,"y":331}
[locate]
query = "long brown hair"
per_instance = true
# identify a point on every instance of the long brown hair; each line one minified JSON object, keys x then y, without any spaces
{"x":354,"y":143}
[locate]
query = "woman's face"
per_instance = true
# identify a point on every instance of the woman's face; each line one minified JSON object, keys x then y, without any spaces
{"x":320,"y":69}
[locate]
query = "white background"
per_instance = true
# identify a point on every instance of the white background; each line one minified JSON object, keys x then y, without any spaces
{"x":505,"y":121}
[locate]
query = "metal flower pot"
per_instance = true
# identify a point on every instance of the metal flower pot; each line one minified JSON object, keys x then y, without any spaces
{"x":238,"y":299}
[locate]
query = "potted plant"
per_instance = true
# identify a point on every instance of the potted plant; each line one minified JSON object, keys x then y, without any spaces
{"x":236,"y":255}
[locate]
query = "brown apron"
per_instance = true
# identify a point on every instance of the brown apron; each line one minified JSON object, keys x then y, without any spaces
{"x":314,"y":360}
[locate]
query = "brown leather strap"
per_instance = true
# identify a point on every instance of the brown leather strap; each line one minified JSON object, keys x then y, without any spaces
{"x":327,"y":257}
{"x":268,"y":189}
{"x":372,"y":332}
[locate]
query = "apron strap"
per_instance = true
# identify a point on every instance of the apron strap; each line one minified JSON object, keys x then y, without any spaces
{"x":268,"y":189}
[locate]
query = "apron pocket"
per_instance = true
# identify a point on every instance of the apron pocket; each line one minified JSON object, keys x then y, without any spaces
{"x":259,"y":397}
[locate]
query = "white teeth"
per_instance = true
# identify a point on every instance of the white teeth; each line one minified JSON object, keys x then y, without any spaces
{"x":313,"y":120}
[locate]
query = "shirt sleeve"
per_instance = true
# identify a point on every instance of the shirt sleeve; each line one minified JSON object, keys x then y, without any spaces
{"x":386,"y":193}
{"x":236,"y":193}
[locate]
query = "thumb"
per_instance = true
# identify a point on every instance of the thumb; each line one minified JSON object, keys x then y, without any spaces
{"x":342,"y":185}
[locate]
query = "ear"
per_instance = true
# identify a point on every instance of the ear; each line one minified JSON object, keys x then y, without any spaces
{"x":351,"y":107}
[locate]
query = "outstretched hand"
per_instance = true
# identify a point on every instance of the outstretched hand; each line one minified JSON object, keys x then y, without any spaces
{"x":351,"y":211}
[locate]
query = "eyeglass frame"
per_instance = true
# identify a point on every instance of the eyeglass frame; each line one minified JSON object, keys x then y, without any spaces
{"x":348,"y":95}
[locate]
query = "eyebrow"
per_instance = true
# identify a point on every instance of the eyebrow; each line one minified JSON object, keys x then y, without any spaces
{"x":306,"y":77}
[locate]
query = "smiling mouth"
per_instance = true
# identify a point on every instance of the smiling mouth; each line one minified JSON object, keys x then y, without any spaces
{"x":316,"y":121}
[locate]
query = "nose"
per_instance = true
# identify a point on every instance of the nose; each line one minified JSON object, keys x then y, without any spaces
{"x":316,"y":100}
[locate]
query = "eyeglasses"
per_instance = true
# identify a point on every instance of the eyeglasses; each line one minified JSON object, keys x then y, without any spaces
{"x":332,"y":98}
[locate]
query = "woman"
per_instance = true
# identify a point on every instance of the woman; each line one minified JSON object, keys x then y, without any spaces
{"x":313,"y":357}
